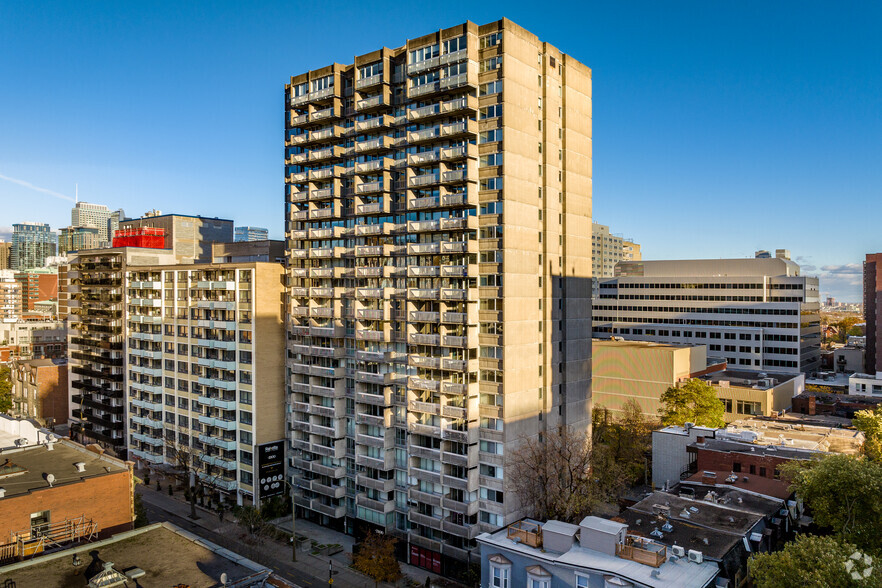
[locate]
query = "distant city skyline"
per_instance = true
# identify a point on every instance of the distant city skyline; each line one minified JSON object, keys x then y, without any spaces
{"x":720,"y":129}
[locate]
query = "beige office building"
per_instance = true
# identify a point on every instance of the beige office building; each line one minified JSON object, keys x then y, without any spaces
{"x":757,"y":314}
{"x":641,"y":371}
{"x":205,"y":371}
{"x":438,"y":206}
{"x":189,"y":237}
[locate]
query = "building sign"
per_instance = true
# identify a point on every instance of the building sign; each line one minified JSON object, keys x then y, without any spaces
{"x":271,"y":469}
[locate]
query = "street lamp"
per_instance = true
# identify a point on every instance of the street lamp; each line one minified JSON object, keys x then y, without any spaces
{"x":293,"y":518}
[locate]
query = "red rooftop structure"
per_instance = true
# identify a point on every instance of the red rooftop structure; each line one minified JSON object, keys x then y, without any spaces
{"x":150,"y":237}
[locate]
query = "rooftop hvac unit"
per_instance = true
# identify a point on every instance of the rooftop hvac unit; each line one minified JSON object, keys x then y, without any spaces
{"x":695,"y":556}
{"x":678,"y":550}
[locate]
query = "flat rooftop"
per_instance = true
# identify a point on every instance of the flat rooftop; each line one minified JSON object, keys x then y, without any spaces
{"x":24,"y":469}
{"x":168,"y":556}
{"x":747,"y":379}
{"x":638,"y":344}
{"x":795,"y":433}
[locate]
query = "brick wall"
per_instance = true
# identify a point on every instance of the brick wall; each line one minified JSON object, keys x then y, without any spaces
{"x":720,"y":461}
{"x":105,"y":499}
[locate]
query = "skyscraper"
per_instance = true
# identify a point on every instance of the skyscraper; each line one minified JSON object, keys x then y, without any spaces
{"x":32,"y":243}
{"x":438,"y":206}
{"x":78,"y":239}
{"x":251,"y":234}
{"x":872,"y":309}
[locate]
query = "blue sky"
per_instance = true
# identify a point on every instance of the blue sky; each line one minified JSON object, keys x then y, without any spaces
{"x":719,"y":128}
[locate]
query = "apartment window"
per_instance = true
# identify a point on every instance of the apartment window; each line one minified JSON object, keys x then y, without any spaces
{"x":424,"y":53}
{"x":491,"y":160}
{"x":246,"y":457}
{"x":454,"y":45}
{"x":491,"y":495}
{"x":369,"y":71}
{"x":493,"y":111}
{"x":491,"y":136}
{"x":491,"y":352}
{"x":245,"y":357}
{"x":491,"y":518}
{"x":323,"y":83}
{"x":245,"y":377}
{"x":491,"y":184}
{"x":245,"y":397}
{"x":245,"y":438}
{"x":534,"y":581}
{"x":491,"y":447}
{"x":183,"y":421}
{"x":183,"y":385}
{"x":499,"y":575}
{"x":246,"y":477}
{"x":746,"y":407}
{"x":491,"y":40}
{"x":491,"y":207}
{"x":245,"y":417}
{"x":490,"y":88}
{"x":491,"y":64}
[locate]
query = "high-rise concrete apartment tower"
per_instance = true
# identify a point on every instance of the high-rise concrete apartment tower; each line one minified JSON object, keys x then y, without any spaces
{"x":438,"y":206}
{"x":97,"y":216}
{"x":32,"y":243}
{"x":872,"y":310}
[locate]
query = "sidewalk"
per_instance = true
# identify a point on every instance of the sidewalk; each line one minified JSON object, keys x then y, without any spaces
{"x":309,"y":571}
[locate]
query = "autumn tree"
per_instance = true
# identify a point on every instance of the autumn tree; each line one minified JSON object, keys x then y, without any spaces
{"x":375,"y":558}
{"x":5,"y":389}
{"x":815,"y":562}
{"x":869,"y":422}
{"x":693,"y":402}
{"x":185,"y":461}
{"x":842,"y":492}
{"x":552,"y":474}
{"x":628,"y":436}
{"x":253,"y":521}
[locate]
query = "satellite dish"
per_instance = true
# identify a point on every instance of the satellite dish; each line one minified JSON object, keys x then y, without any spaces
{"x":223,"y":578}
{"x":50,"y":478}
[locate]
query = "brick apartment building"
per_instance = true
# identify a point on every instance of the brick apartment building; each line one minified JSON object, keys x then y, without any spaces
{"x":48,"y":497}
{"x":39,"y":390}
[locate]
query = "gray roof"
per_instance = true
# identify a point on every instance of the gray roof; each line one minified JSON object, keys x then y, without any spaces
{"x":602,"y":525}
{"x":560,"y":527}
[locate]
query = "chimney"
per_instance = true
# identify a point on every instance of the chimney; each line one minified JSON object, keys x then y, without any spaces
{"x":709,"y":478}
{"x":81,"y":466}
{"x":700,"y":440}
{"x":2,"y":492}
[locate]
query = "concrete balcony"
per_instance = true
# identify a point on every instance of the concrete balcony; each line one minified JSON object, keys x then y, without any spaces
{"x":226,"y":425}
{"x":460,"y":199}
{"x":374,"y":250}
{"x":336,"y":391}
{"x":384,"y":399}
{"x":215,"y":460}
{"x":335,"y":512}
{"x":383,"y":379}
{"x":225,"y":444}
{"x":370,"y":335}
{"x":426,"y":521}
{"x":422,"y":361}
{"x":147,"y":405}
{"x":423,"y":248}
{"x":375,"y":484}
{"x":325,"y":113}
{"x":147,"y":422}
{"x":425,"y":317}
{"x":322,"y":94}
{"x":424,"y":135}
{"x":424,"y":407}
{"x":322,"y":194}
{"x":363,"y":126}
{"x":455,"y":389}
{"x":337,"y":450}
{"x":377,"y":144}
{"x":423,"y":180}
{"x":458,"y":318}
{"x":372,"y":102}
{"x":466,"y":508}
{"x":465,"y":531}
{"x":423,"y":429}
{"x":423,"y":203}
{"x":382,"y":207}
{"x":458,"y":341}
{"x":325,"y":490}
{"x":455,"y":412}
{"x":414,"y":493}
{"x":385,"y":507}
{"x":423,"y":158}
{"x":421,"y":339}
{"x":468,"y":436}
{"x":387,"y":462}
{"x":370,"y":188}
{"x":155,"y":441}
{"x":325,"y":134}
{"x":459,"y":129}
{"x":423,"y":89}
{"x":470,"y":246}
{"x":423,"y":65}
{"x":218,"y":403}
{"x":337,"y":431}
{"x":424,"y":271}
{"x":386,"y":442}
{"x":425,"y":475}
{"x":326,"y":153}
{"x":373,"y":166}
{"x":371,"y":314}
{"x":454,"y":293}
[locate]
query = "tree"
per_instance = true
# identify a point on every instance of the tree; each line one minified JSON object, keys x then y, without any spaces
{"x":693,"y":402}
{"x":186,"y":468}
{"x":5,"y":389}
{"x":375,"y":558}
{"x":252,"y":520}
{"x":140,"y":512}
{"x":628,"y":436}
{"x":869,"y":422}
{"x":842,"y":492}
{"x":814,"y":562}
{"x":552,"y":475}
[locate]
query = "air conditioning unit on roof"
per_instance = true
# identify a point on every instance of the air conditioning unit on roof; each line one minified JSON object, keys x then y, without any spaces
{"x":678,"y":550}
{"x":695,"y":556}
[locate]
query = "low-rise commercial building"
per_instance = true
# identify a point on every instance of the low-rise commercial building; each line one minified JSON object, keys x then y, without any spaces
{"x":837,"y":405}
{"x":49,"y":495}
{"x":39,"y":390}
{"x":205,"y":372}
{"x":865,"y":384}
{"x":597,"y":553}
{"x":641,"y":371}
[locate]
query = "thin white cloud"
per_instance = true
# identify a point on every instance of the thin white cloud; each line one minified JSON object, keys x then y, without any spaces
{"x":30,"y":186}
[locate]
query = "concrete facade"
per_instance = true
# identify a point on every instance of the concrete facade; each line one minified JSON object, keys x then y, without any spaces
{"x":412,"y":289}
{"x":10,"y":297}
{"x":205,"y":372}
{"x":756,"y":314}
{"x":96,"y":216}
{"x":247,"y":251}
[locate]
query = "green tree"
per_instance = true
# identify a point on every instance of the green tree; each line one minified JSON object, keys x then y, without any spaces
{"x":814,"y":562}
{"x":375,"y":558}
{"x":5,"y":389}
{"x":140,"y":512}
{"x":869,"y":422}
{"x":693,"y":402}
{"x":842,"y":492}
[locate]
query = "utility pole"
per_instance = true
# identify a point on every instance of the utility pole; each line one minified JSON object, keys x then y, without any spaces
{"x":330,"y":573}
